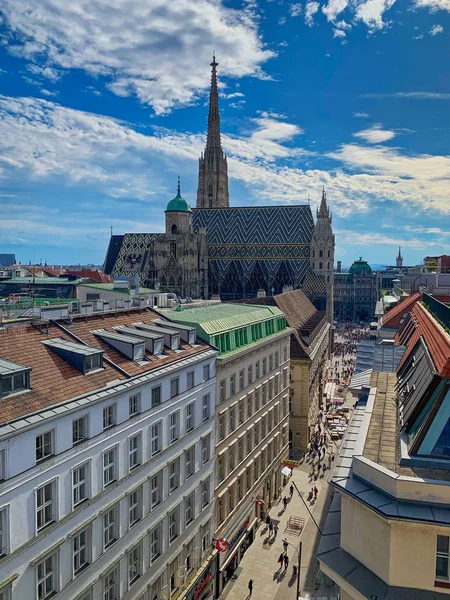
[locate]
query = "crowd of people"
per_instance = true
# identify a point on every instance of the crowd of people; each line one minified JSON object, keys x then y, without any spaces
{"x":343,"y":360}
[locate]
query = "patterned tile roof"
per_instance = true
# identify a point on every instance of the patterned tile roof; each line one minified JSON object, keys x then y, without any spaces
{"x":53,"y":380}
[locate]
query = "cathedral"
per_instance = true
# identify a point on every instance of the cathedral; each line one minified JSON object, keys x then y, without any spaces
{"x":233,"y":252}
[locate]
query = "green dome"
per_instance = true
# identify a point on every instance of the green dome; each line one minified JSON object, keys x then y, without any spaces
{"x":178,"y":204}
{"x":360,"y":267}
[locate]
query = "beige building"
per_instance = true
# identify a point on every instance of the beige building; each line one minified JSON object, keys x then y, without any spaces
{"x":252,"y":413}
{"x":387,"y":535}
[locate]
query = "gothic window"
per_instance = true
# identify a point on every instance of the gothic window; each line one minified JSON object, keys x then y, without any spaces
{"x":314,"y":254}
{"x":328,"y":279}
{"x":329,"y":254}
{"x":173,"y":249}
{"x":328,"y":266}
{"x":210,"y":195}
{"x":314,"y":265}
{"x":174,"y":229}
{"x":320,"y":253}
{"x":320,"y":265}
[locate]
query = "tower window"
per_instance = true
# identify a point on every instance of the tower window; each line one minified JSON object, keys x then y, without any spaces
{"x":314,"y":254}
{"x":314,"y":265}
{"x":329,"y":254}
{"x":328,"y":266}
{"x":173,"y":249}
{"x":320,"y":253}
{"x":174,"y":229}
{"x":328,"y":279}
{"x":320,"y":265}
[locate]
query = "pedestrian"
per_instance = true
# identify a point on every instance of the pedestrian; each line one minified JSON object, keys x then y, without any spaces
{"x":270,"y":528}
{"x":280,"y":560}
{"x":284,"y":502}
{"x":250,"y":587}
{"x":268,"y":520}
{"x":286,"y":561}
{"x":285,"y":545}
{"x":316,"y":491}
{"x":291,"y":489}
{"x":275,"y":530}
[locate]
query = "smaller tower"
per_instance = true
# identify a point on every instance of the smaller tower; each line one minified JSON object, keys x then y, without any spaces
{"x":399,"y":259}
{"x":178,"y":214}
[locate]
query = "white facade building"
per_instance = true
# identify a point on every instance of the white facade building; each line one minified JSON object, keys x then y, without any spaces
{"x":107,"y":469}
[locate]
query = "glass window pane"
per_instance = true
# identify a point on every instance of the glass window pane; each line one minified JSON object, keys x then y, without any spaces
{"x":442,"y":567}
{"x":442,"y":544}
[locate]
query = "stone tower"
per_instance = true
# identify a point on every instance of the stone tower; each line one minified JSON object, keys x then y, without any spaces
{"x":178,"y":214}
{"x":213,"y":169}
{"x":322,"y":256}
{"x":399,"y":259}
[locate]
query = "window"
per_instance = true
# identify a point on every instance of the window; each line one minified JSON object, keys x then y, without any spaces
{"x":79,"y":430}
{"x":231,"y":460}
{"x":240,"y":450}
{"x":3,"y":533}
{"x":134,"y":564}
{"x":264,"y":394}
{"x":47,"y":577}
{"x":86,"y":596}
{"x":241,"y":379}
{"x":134,"y":451}
{"x":156,"y":441}
{"x":109,"y":416}
{"x":231,"y":499}
{"x":174,"y":524}
{"x":232,"y":385}
{"x":270,"y":362}
{"x":189,"y":466}
{"x":249,"y":374}
{"x":257,"y":395}
{"x":155,"y":543}
{"x":174,"y":385}
{"x":93,"y":362}
{"x":249,"y":443}
{"x":174,"y":427}
{"x":277,"y":358}
{"x":241,"y":412}
{"x":174,"y":475}
{"x":44,"y":446}
{"x":206,"y":541}
{"x":134,"y":405}
{"x":249,"y":406}
{"x":80,"y":484}
{"x":442,"y":557}
{"x":109,"y":466}
{"x":14,"y":384}
{"x":111,"y":585}
{"x":220,"y":510}
{"x":221,"y":427}
{"x":155,"y":489}
{"x":111,"y":526}
{"x":220,"y":469}
{"x":256,"y":434}
{"x":232,"y":420}
{"x":257,"y":370}
{"x":156,"y":396}
{"x":264,"y":365}
{"x":206,"y":374}
{"x":222,"y":390}
{"x":205,"y":449}
{"x":270,"y":389}
{"x":190,"y":380}
{"x":189,"y":509}
{"x":190,"y":416}
{"x":263,"y":428}
{"x":81,"y":549}
{"x":45,"y":505}
{"x":248,"y":479}
{"x":205,"y":492}
{"x":205,"y":406}
{"x":135,"y":507}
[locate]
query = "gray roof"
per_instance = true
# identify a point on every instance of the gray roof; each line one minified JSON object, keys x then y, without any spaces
{"x":9,"y":368}
{"x":372,"y":354}
{"x":71,"y":346}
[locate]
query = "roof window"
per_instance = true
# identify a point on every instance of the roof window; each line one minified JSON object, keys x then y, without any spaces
{"x":130,"y":347}
{"x":14,"y":378}
{"x":81,"y":357}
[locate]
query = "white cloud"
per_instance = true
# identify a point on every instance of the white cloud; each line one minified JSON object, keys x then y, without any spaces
{"x":338,"y":33}
{"x":232,"y":95}
{"x":295,"y":9}
{"x":334,"y":8}
{"x":310,"y":10}
{"x":413,"y":95}
{"x":47,"y":72}
{"x":436,"y":29}
{"x":361,"y":115}
{"x":155,"y":50}
{"x":356,"y":238}
{"x":433,"y":5}
{"x":375,"y":135}
{"x":371,"y":12}
{"x":48,"y":93}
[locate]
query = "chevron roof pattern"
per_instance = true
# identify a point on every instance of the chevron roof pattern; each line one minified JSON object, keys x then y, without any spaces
{"x":256,"y":225}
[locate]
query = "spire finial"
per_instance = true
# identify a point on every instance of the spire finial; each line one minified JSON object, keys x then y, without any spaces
{"x":179,"y":187}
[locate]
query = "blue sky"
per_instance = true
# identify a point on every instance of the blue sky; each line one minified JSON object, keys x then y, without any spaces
{"x":104,"y":102}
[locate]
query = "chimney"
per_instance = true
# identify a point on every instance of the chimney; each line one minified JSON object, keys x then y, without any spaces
{"x":339,"y":266}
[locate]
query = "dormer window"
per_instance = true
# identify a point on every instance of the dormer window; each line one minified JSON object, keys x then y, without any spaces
{"x":80,"y":356}
{"x":93,"y":362}
{"x":14,"y":378}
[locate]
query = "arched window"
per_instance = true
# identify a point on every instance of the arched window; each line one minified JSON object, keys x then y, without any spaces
{"x":320,"y":253}
{"x":174,"y":229}
{"x":328,"y":266}
{"x":173,"y":252}
{"x":328,"y":279}
{"x":329,"y":253}
{"x":314,"y":265}
{"x":320,"y":266}
{"x":314,"y":254}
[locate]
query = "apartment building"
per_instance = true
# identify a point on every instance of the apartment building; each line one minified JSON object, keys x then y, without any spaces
{"x":252,"y":414}
{"x":107,"y":437}
{"x":387,"y":535}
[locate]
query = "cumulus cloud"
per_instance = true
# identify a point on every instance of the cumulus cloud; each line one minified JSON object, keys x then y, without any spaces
{"x":433,"y":5}
{"x":371,"y":12}
{"x":310,"y":10}
{"x":333,"y":8}
{"x":436,"y":29}
{"x":157,"y":51}
{"x":295,"y":9}
{"x":338,"y":33}
{"x":375,"y":134}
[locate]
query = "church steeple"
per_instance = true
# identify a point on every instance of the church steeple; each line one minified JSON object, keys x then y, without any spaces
{"x":213,"y":169}
{"x":399,"y":259}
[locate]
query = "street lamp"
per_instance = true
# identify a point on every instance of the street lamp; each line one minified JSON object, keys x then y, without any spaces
{"x":299,"y":552}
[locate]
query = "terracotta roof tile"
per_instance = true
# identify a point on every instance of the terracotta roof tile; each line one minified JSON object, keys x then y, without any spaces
{"x":393,"y":317}
{"x":53,"y":380}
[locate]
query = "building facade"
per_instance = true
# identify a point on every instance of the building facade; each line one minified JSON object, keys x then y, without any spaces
{"x":107,"y":459}
{"x":252,"y":417}
{"x":355,"y":293}
{"x":387,"y":534}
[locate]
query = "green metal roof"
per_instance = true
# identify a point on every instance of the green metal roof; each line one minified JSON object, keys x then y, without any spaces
{"x":360,"y":266}
{"x":221,"y":318}
{"x":41,"y":280}
{"x":178,"y":204}
{"x":109,"y":287}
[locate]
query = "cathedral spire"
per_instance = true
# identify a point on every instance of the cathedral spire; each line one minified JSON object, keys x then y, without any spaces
{"x":323,"y":210}
{"x":212,"y":189}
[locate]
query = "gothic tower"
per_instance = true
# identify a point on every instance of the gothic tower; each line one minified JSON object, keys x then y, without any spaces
{"x":213,"y":169}
{"x":399,"y":259}
{"x":322,"y":255}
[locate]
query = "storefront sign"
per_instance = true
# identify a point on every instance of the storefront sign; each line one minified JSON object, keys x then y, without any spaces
{"x":290,"y":463}
{"x":234,"y":540}
{"x":221,"y":545}
{"x":207,"y":577}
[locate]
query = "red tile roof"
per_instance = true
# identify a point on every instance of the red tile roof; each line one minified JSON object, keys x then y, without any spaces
{"x":394,"y":316}
{"x":434,"y":335}
{"x":53,"y":380}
